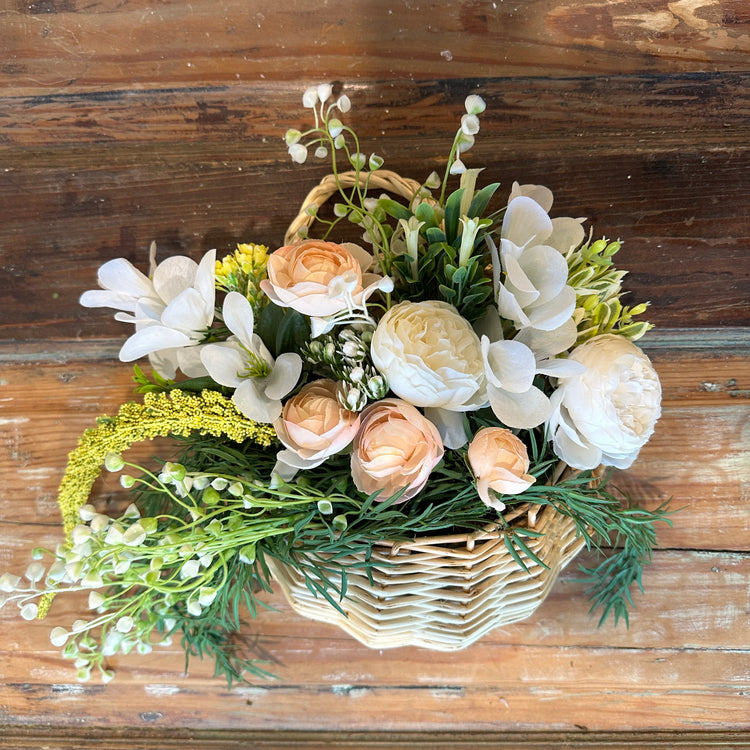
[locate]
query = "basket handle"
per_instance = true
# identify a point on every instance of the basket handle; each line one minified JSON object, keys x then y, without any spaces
{"x":383,"y":179}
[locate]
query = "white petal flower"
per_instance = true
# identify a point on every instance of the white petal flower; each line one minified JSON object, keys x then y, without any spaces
{"x":605,"y":412}
{"x":510,"y":367}
{"x":534,"y":292}
{"x":122,"y":286}
{"x":245,"y":364}
{"x":171,"y":311}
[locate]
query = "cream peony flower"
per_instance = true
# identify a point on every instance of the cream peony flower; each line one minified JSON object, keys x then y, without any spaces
{"x":321,"y":280}
{"x":500,"y":462}
{"x":395,"y":447}
{"x":245,"y":364}
{"x":605,"y":414}
{"x":430,"y":356}
{"x":535,"y":292}
{"x":171,"y":310}
{"x":313,"y":426}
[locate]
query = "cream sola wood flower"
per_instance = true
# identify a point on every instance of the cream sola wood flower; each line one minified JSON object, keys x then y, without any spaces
{"x":244,"y":363}
{"x":171,"y":310}
{"x":605,"y":413}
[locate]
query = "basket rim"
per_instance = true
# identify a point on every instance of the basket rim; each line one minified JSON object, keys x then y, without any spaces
{"x":382,"y":179}
{"x":534,"y":515}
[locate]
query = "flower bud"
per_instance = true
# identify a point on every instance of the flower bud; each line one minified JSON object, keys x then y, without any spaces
{"x":298,"y":152}
{"x":292,"y":136}
{"x":310,"y":97}
{"x":470,"y":124}
{"x":474,"y":104}
{"x":29,"y":611}
{"x":335,"y":127}
{"x":58,"y":637}
{"x":113,"y":462}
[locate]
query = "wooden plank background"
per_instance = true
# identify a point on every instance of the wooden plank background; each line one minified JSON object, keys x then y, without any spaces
{"x":124,"y":122}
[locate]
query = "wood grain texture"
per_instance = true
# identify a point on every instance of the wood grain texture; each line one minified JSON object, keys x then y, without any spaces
{"x":674,"y":670}
{"x":66,"y":44}
{"x":658,"y":162}
{"x":131,"y":121}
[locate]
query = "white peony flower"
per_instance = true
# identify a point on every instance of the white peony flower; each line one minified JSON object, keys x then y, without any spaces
{"x":171,"y":310}
{"x":605,"y":414}
{"x":534,"y":292}
{"x":430,"y":356}
{"x":244,"y":363}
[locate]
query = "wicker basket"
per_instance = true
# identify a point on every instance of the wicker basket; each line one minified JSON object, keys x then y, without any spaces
{"x":390,"y":182}
{"x":442,"y":593}
{"x":445,"y":592}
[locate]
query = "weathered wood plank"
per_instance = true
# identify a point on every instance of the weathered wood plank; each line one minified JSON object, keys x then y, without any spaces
{"x":682,"y":665}
{"x":713,"y":107}
{"x":680,"y":213}
{"x":698,"y":454}
{"x":54,"y":44}
{"x":140,"y":738}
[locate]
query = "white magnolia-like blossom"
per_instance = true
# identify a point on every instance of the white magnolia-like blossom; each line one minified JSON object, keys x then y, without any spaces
{"x":244,"y":363}
{"x":171,"y":310}
{"x":534,"y":292}
{"x":607,"y":412}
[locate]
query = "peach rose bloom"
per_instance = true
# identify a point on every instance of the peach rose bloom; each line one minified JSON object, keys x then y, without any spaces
{"x":500,"y":462}
{"x":310,"y":276}
{"x":396,"y":447}
{"x":313,"y":426}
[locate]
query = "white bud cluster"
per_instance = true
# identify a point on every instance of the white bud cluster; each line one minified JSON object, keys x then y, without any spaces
{"x":328,"y":131}
{"x":464,"y":140}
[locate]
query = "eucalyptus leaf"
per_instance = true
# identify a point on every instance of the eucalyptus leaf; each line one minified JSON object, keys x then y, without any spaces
{"x":426,"y":213}
{"x":434,"y":235}
{"x":395,"y":209}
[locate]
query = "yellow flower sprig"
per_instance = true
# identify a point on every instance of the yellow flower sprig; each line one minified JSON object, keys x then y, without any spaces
{"x":242,"y":272}
{"x":176,"y":412}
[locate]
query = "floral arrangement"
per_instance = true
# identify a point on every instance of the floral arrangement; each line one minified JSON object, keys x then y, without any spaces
{"x":331,"y":394}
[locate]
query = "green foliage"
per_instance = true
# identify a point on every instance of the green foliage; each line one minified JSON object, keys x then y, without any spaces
{"x":450,"y":259}
{"x":282,"y":329}
{"x":606,"y":521}
{"x":598,"y":287}
{"x":155,"y":384}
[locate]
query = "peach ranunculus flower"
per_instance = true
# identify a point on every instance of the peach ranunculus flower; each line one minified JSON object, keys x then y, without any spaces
{"x":500,"y":462}
{"x":313,"y":426}
{"x":396,"y":447}
{"x":322,"y":279}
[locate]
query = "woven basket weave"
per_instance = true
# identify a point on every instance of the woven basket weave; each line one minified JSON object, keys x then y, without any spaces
{"x":390,"y":182}
{"x":443,"y":592}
